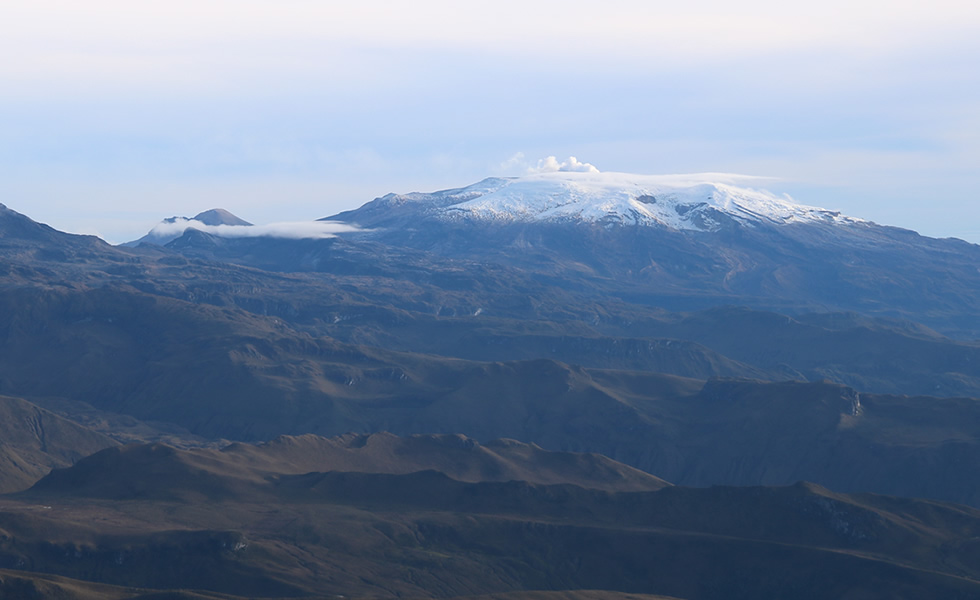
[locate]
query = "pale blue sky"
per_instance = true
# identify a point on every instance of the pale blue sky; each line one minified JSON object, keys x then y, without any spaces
{"x":115,"y":114}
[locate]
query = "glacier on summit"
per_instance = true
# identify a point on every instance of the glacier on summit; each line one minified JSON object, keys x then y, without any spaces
{"x":700,"y":202}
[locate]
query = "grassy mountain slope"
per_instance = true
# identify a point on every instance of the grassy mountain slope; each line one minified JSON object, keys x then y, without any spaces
{"x":34,"y":440}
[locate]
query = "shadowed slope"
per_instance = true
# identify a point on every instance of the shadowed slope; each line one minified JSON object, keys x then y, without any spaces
{"x":34,"y":440}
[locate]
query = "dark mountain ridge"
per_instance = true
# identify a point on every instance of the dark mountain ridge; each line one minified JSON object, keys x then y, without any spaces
{"x":158,"y":471}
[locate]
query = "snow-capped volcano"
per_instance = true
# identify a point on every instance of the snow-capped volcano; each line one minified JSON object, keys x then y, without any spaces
{"x":684,"y":202}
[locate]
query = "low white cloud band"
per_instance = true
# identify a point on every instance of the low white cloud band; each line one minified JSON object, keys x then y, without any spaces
{"x":290,"y":230}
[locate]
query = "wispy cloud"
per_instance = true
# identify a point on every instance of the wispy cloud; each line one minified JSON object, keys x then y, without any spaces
{"x":515,"y":162}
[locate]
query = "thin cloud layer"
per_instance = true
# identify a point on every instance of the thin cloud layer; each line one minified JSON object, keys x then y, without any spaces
{"x":296,"y":230}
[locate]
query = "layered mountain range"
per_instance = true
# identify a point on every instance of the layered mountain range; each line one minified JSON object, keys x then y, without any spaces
{"x":497,"y":388}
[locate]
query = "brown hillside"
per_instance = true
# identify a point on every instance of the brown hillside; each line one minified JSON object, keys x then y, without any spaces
{"x":33,"y":441}
{"x":157,"y":471}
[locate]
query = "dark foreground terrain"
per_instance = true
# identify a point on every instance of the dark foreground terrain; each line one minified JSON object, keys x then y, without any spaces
{"x":252,"y":521}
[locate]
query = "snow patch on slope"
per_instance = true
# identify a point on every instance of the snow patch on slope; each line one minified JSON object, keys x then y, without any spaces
{"x":449,"y":197}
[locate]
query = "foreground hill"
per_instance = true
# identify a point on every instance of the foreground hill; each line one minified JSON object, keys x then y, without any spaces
{"x":425,"y":534}
{"x":33,"y":441}
{"x":158,"y":471}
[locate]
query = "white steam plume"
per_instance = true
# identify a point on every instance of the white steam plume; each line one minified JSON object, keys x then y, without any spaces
{"x":551,"y":165}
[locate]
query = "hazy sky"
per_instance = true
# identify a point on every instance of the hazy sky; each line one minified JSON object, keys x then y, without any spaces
{"x":116,"y":114}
